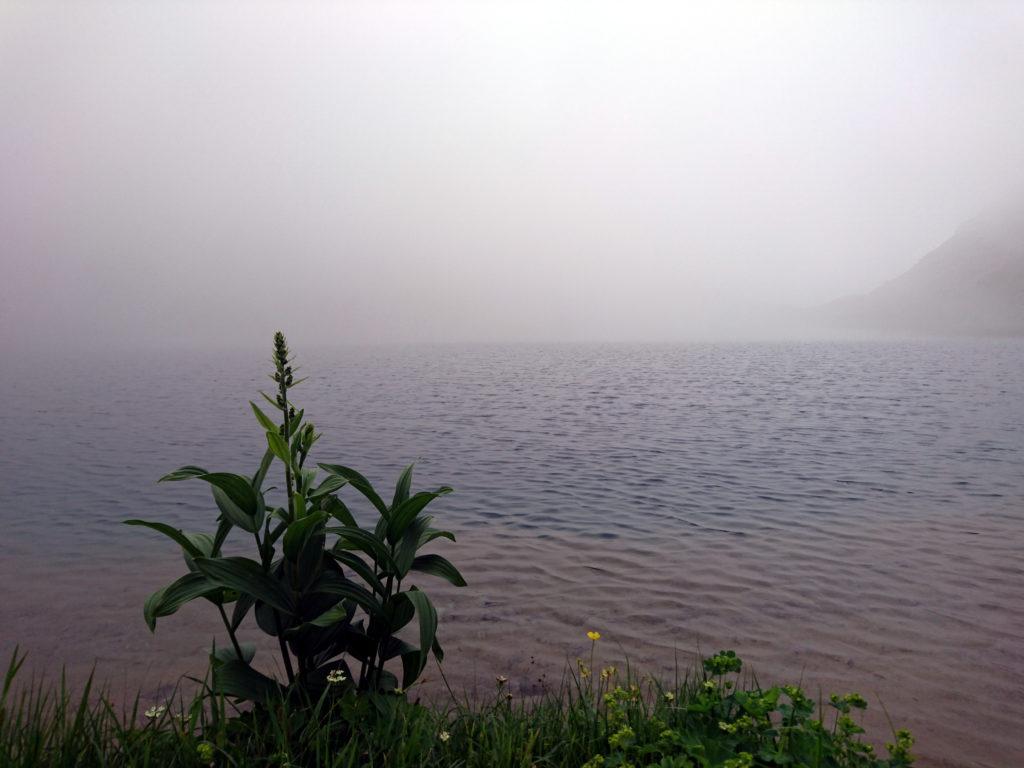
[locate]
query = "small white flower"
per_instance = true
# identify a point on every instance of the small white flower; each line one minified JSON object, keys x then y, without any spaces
{"x":669,"y":696}
{"x":336,"y":676}
{"x":154,"y":712}
{"x":444,"y":736}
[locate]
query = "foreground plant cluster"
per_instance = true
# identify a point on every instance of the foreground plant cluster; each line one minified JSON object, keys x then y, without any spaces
{"x":339,"y":601}
{"x":329,"y":590}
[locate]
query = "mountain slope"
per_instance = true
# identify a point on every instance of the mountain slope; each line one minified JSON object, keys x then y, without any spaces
{"x":972,"y":284}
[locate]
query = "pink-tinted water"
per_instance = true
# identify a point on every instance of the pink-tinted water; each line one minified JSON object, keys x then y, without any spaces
{"x":848,"y":515}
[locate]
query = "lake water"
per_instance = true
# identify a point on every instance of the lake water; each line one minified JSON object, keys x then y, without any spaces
{"x":848,"y":514}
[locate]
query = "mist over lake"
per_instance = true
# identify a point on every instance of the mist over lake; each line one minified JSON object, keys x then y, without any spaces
{"x":711,"y":313}
{"x":846,"y":512}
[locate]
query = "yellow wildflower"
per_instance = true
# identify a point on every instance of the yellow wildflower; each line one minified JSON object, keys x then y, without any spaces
{"x":593,"y":636}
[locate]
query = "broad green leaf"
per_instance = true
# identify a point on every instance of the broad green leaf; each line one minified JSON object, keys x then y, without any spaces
{"x":279,"y":447}
{"x":236,"y":499}
{"x":296,"y":443}
{"x":402,"y":486}
{"x":245,"y":576}
{"x":306,"y":479}
{"x":185,"y":473}
{"x":396,"y":647}
{"x":279,"y":529}
{"x":227,"y":653}
{"x":179,"y":536}
{"x":438,"y":566}
{"x":261,"y":417}
{"x":428,"y":623}
{"x":412,"y":664}
{"x":331,"y":616}
{"x":299,"y":505}
{"x":261,"y":509}
{"x":399,"y":612}
{"x":309,"y":437}
{"x":432,"y":533}
{"x":329,"y":485}
{"x":406,"y":512}
{"x":261,"y":473}
{"x":269,"y":620}
{"x":364,"y":571}
{"x":295,"y":423}
{"x":331,"y":583}
{"x":405,"y":549}
{"x":238,"y":679}
{"x":232,"y":512}
{"x":336,"y":508}
{"x":363,"y":541}
{"x":166,"y":601}
{"x":300,"y":531}
{"x":223,"y":529}
{"x":358,"y":482}
{"x":203,"y":542}
{"x":242,"y":606}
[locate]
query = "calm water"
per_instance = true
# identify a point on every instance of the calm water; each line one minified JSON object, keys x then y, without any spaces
{"x":849,"y":513}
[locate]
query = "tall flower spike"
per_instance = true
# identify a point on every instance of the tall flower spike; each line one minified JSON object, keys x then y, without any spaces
{"x":282,"y":369}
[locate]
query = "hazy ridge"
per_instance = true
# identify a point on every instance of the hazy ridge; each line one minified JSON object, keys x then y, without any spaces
{"x":972,"y":284}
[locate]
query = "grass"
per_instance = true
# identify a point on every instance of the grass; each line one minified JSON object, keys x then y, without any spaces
{"x":711,"y":718}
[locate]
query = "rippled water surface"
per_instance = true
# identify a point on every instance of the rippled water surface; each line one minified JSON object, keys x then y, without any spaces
{"x":852,"y":514}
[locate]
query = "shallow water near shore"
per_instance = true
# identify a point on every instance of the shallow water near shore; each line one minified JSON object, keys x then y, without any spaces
{"x":849,"y":514}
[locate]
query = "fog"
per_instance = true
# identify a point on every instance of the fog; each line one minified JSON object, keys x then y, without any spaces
{"x":203,"y":173}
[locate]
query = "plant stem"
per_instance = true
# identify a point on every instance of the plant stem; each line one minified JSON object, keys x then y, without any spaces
{"x":284,"y":651}
{"x":231,"y":632}
{"x":283,"y":389}
{"x":362,"y":673}
{"x":285,"y":655}
{"x":382,"y":644}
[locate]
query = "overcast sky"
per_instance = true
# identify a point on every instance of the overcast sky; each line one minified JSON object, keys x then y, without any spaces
{"x":189,"y":172}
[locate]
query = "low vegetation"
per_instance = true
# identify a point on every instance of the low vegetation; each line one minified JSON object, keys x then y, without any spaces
{"x":330,"y":594}
{"x":598,"y":717}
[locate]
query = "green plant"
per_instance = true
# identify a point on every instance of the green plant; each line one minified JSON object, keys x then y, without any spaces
{"x":327,"y":603}
{"x":721,"y":721}
{"x":602,"y":721}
